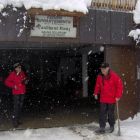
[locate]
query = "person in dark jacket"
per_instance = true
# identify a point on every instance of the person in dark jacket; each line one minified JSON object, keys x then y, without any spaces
{"x":17,"y":81}
{"x":110,"y":88}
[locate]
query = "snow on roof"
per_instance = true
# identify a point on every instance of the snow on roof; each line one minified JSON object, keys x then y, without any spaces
{"x":137,"y":13}
{"x":136,"y":17}
{"x":68,"y":5}
{"x":135,"y":34}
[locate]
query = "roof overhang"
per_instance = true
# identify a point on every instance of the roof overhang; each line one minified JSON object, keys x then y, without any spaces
{"x":39,"y":11}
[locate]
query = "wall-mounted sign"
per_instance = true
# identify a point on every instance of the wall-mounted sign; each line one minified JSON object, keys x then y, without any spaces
{"x":54,"y":26}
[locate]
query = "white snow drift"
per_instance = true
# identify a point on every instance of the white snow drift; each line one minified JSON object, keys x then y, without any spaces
{"x":130,"y":129}
{"x":68,"y":5}
{"x":135,"y":34}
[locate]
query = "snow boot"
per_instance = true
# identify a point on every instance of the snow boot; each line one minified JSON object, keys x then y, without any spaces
{"x":100,"y":131}
{"x":111,"y":129}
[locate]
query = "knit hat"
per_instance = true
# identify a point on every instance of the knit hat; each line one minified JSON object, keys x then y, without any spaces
{"x":16,"y":65}
{"x":104,"y":65}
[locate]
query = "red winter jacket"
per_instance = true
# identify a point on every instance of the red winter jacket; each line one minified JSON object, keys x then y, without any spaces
{"x":109,"y":87}
{"x":16,"y":80}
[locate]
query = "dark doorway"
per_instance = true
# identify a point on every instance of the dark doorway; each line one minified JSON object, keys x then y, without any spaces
{"x":55,"y":76}
{"x":55,"y":87}
{"x":94,"y":62}
{"x":54,"y":79}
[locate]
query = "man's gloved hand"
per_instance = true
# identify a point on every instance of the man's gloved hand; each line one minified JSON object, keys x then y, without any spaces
{"x":117,"y":99}
{"x":96,"y":97}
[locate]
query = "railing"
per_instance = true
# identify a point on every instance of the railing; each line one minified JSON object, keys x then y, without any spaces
{"x":120,"y":5}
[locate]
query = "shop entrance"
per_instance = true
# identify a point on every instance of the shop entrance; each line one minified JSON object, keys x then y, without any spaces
{"x":94,"y":62}
{"x":55,"y":87}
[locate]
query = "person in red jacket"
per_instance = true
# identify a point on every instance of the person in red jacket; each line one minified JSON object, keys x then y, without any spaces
{"x":109,"y":87}
{"x":17,"y":80}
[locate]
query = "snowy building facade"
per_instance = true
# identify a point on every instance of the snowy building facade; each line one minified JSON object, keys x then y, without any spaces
{"x":55,"y":45}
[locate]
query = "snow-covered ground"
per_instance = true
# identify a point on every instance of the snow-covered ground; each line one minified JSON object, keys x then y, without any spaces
{"x":130,"y":129}
{"x":69,"y":5}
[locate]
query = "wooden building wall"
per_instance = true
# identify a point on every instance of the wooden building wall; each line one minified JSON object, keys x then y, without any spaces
{"x":123,"y":61}
{"x":97,"y":27}
{"x":138,"y":73}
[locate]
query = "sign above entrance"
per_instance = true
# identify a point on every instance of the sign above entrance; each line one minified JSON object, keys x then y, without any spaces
{"x":54,"y":26}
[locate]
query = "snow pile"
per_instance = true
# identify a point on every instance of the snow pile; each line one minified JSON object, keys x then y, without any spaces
{"x":68,"y":5}
{"x":137,"y":13}
{"x":129,"y":130}
{"x":136,"y":33}
{"x":40,"y":134}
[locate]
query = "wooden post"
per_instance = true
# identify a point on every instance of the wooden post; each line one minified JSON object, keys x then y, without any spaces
{"x":85,"y":74}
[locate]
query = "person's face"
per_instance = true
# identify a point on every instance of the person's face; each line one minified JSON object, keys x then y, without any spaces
{"x":18,"y":69}
{"x":105,"y":71}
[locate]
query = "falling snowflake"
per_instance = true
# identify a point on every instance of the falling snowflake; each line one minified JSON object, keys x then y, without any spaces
{"x":102,"y":48}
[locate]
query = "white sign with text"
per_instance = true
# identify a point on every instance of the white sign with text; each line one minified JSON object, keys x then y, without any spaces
{"x":54,"y":26}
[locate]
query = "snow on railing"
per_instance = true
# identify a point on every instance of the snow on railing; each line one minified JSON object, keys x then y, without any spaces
{"x":120,"y":5}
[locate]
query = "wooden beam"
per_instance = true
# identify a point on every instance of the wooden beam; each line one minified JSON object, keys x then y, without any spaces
{"x":39,"y":11}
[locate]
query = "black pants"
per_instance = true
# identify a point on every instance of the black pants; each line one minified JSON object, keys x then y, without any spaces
{"x":107,"y":114}
{"x":18,"y":103}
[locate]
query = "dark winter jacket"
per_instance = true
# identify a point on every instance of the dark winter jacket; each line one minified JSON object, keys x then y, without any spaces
{"x":109,"y":87}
